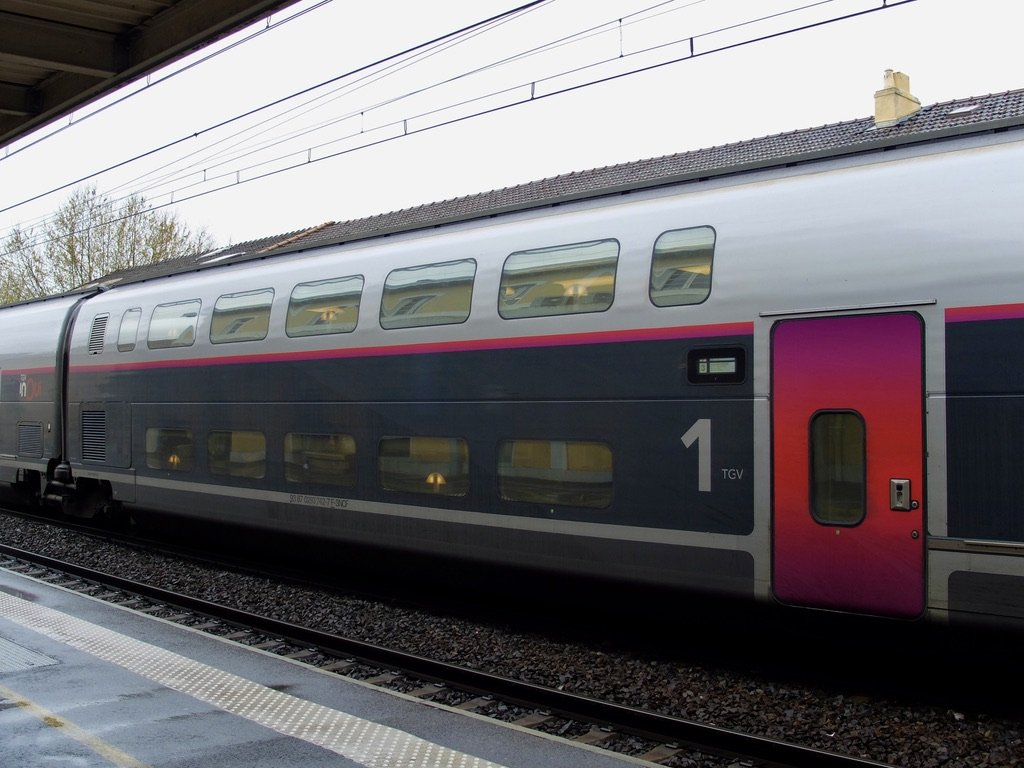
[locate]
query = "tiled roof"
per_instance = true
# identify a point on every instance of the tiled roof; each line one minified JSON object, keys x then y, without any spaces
{"x":236,"y":252}
{"x":949,"y":118}
{"x":963,"y":116}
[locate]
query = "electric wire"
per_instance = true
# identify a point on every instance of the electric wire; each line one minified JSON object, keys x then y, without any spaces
{"x":533,"y":97}
{"x":643,"y":15}
{"x":692,"y":53}
{"x":308,"y":107}
{"x":412,"y":55}
{"x":344,"y":90}
{"x":151,"y":83}
{"x":576,"y":37}
{"x":640,"y":16}
{"x":256,"y":110}
{"x":308,"y":151}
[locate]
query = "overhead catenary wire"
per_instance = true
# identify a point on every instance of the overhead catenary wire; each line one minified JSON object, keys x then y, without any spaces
{"x":152,"y":83}
{"x":307,"y":153}
{"x":304,"y":157}
{"x":263,"y":107}
{"x":532,"y":97}
{"x":218,"y":160}
{"x":419,"y":55}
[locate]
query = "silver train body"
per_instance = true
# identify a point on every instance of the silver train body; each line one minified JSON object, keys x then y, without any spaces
{"x":796,"y":384}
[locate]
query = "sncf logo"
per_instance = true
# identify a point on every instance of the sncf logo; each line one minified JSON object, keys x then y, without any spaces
{"x":29,"y":388}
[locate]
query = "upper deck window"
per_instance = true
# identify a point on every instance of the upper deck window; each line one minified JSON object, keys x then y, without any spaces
{"x":242,"y":316}
{"x":681,"y":266}
{"x":324,"y":306}
{"x":432,"y":294}
{"x":129,"y":330}
{"x":174,"y":325}
{"x":562,"y":280}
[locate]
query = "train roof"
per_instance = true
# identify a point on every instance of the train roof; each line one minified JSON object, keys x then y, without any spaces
{"x":980,"y":114}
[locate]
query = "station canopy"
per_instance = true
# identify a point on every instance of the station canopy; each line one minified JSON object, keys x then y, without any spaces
{"x":58,"y":55}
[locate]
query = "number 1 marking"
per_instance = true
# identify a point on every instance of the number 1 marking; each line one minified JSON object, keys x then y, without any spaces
{"x":700,"y":433}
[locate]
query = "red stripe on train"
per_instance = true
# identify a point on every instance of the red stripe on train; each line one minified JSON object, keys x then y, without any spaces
{"x":472,"y":345}
{"x":991,"y":312}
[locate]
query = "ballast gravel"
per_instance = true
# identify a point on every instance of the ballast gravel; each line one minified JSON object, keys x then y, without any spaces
{"x":847,"y":722}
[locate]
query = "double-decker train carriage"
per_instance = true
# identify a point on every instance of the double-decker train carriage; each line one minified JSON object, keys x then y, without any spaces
{"x":790,"y":369}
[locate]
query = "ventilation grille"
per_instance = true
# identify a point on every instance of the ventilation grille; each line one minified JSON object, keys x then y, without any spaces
{"x":94,"y":435}
{"x":99,"y":330}
{"x":30,"y":440}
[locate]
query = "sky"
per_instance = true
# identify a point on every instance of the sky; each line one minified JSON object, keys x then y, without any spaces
{"x":474,"y":113}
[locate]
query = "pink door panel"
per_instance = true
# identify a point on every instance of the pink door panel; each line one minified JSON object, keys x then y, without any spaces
{"x":848,"y":457}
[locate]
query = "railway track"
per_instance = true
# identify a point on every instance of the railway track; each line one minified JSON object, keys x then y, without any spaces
{"x":599,"y":721}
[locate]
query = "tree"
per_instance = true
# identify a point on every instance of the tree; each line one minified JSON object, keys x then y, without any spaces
{"x":90,"y":236}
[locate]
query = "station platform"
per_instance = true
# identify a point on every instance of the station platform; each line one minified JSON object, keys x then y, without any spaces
{"x":86,"y":683}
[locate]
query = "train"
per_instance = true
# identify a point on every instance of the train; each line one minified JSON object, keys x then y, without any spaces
{"x":788,"y":370}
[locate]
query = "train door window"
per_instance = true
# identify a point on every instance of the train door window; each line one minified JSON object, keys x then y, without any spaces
{"x":174,"y":325}
{"x":322,"y":459}
{"x":838,"y":468}
{"x":432,"y":294}
{"x":241,"y":316}
{"x":170,"y":449}
{"x":324,"y":306}
{"x":431,"y":465}
{"x":570,"y":473}
{"x":237,"y":454}
{"x":129,"y":330}
{"x":681,"y":266}
{"x":562,"y":280}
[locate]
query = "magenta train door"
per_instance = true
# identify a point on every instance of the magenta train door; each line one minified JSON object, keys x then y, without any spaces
{"x":848,"y":458}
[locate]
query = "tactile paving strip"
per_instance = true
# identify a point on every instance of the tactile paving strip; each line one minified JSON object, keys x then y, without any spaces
{"x":368,"y":743}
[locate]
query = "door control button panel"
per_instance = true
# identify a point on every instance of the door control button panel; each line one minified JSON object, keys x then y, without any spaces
{"x":899,"y":495}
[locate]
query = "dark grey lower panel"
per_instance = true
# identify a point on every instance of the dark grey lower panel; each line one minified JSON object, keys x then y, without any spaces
{"x":975,"y":597}
{"x":703,"y":569}
{"x":707,"y":570}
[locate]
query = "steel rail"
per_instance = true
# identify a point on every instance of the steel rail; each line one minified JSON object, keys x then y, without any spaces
{"x":642,"y":723}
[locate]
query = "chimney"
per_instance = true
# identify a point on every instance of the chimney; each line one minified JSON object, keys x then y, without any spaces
{"x":894,"y":103}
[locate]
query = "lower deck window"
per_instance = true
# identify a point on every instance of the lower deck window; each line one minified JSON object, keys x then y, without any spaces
{"x":237,"y":454}
{"x":433,"y":465}
{"x":323,"y":459}
{"x":170,"y":449}
{"x":575,"y":474}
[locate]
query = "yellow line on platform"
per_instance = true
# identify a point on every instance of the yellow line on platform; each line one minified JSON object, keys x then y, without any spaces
{"x":108,"y":752}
